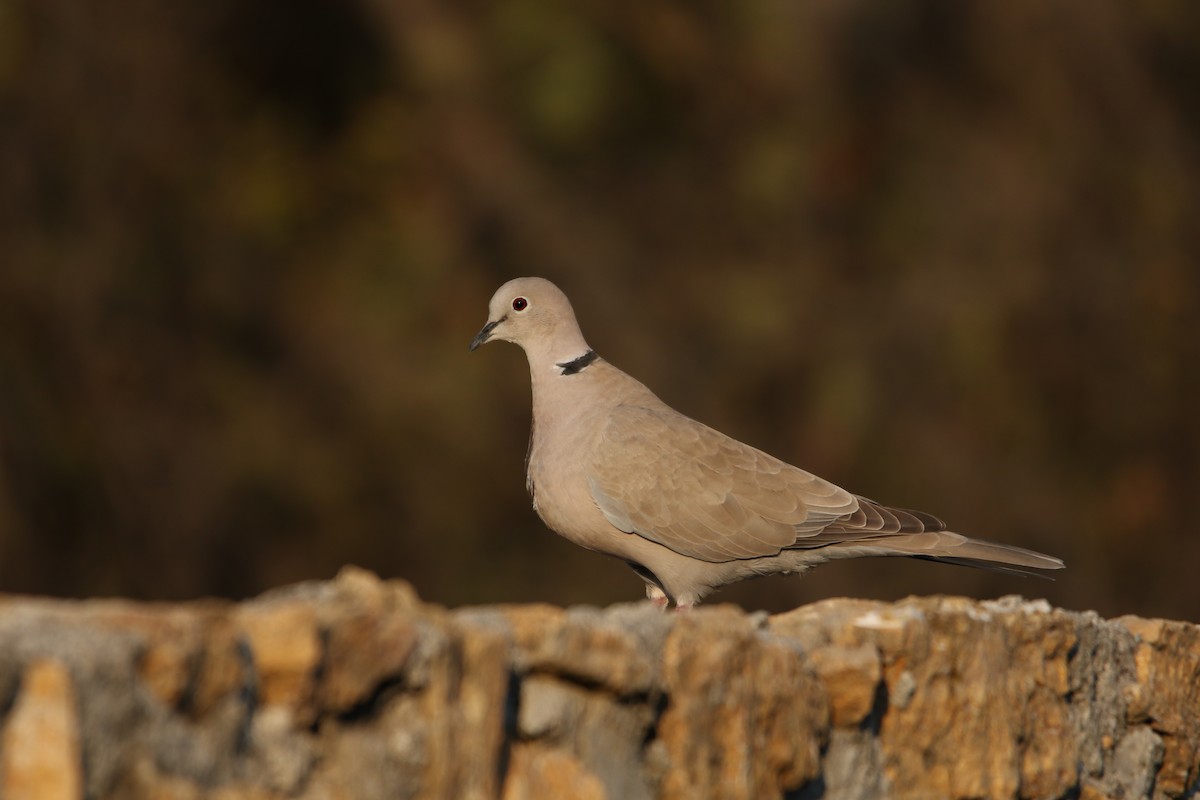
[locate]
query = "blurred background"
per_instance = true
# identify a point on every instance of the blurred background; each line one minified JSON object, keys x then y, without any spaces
{"x":943,"y":253}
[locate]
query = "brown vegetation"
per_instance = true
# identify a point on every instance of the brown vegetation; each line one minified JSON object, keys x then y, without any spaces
{"x":944,"y":254}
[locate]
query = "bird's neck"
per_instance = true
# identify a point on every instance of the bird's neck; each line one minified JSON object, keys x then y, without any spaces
{"x":577,"y":364}
{"x":562,"y":381}
{"x":563,"y":372}
{"x":564,"y":350}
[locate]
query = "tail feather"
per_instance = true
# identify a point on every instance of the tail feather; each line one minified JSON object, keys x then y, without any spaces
{"x":990,"y":566}
{"x":948,"y":547}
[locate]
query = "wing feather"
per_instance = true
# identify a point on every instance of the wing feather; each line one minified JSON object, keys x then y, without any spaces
{"x":688,"y":487}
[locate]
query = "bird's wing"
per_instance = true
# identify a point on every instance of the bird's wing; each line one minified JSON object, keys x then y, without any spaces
{"x":873,"y":519}
{"x":677,"y":482}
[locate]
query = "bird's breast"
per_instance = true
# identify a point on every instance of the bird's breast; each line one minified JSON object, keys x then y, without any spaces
{"x":557,"y":480}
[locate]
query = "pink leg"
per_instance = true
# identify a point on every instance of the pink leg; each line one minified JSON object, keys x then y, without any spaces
{"x":657,"y":596}
{"x":683,"y":608}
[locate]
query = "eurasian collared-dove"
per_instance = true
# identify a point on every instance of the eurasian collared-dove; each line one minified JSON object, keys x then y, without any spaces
{"x":616,"y":470}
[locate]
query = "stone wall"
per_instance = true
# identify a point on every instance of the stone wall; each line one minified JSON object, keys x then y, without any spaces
{"x":355,"y":689}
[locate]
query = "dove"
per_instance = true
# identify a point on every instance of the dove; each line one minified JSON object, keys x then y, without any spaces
{"x":614,"y":469}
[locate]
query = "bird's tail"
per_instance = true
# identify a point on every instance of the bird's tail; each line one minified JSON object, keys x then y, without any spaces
{"x":948,"y":547}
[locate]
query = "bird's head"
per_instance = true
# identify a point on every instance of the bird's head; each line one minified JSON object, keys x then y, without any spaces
{"x":535,"y":314}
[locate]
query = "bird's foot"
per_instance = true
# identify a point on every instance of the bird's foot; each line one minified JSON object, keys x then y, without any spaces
{"x":657,"y":597}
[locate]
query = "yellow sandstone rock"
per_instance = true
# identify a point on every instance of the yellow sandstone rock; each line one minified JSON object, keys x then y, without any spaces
{"x":355,"y":689}
{"x":41,"y":758}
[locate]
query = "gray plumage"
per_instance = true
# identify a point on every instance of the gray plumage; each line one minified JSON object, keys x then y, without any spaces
{"x":616,"y":470}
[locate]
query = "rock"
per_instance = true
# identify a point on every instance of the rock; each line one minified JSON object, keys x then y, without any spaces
{"x":40,"y":759}
{"x":743,"y":717}
{"x":354,"y":688}
{"x":540,"y":773}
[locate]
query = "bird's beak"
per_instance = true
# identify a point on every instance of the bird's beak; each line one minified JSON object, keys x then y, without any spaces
{"x":485,"y":333}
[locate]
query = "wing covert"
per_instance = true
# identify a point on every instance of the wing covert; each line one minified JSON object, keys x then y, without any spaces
{"x":677,"y":482}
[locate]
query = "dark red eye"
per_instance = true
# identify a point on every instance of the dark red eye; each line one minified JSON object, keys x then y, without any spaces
{"x":519,"y":304}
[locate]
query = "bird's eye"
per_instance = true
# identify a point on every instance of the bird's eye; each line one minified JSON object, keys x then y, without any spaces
{"x":520,"y":303}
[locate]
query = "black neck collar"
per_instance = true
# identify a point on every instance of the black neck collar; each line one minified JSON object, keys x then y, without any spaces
{"x":578,"y":364}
